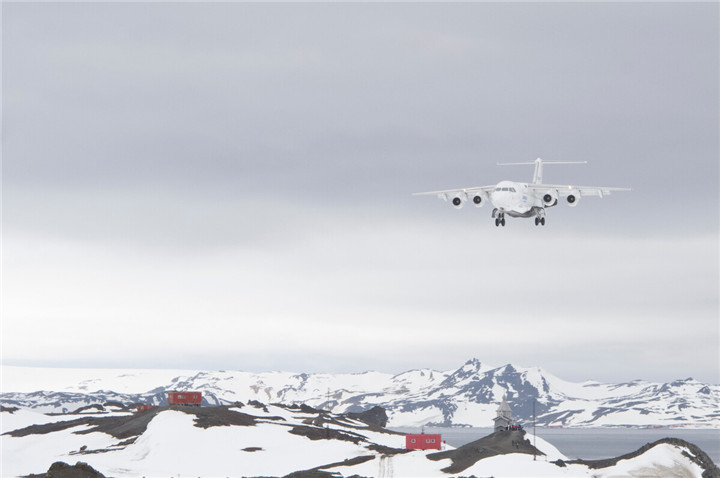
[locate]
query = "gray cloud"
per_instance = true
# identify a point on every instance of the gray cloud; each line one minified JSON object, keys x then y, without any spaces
{"x":250,"y":166}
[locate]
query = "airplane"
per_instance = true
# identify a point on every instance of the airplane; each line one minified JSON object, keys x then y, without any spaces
{"x":523,"y":199}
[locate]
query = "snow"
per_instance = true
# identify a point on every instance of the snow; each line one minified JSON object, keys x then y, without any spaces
{"x":35,"y":454}
{"x":412,"y":398}
{"x":472,"y":412}
{"x":551,"y":453}
{"x":415,"y":418}
{"x":516,"y":465}
{"x":411,"y":465}
{"x":30,"y":379}
{"x":634,"y":417}
{"x":173,"y":446}
{"x":661,"y":460}
{"x":25,"y":418}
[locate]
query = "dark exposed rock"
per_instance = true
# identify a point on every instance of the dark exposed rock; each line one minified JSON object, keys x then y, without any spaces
{"x":207,"y":417}
{"x":256,"y":404}
{"x":116,"y":404}
{"x":127,"y":442}
{"x":498,"y":443}
{"x":313,"y":474}
{"x":95,"y":406}
{"x":315,"y":433}
{"x":318,"y":472}
{"x":48,"y":427}
{"x":386,"y":450}
{"x":375,"y":416}
{"x":308,"y":409}
{"x":60,"y":469}
{"x":124,"y":427}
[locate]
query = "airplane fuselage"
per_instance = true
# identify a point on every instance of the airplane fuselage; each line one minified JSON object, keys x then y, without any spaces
{"x":514,"y":199}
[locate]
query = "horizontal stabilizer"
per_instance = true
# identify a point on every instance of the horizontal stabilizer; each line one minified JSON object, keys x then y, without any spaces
{"x":544,"y":162}
{"x":538,"y":176}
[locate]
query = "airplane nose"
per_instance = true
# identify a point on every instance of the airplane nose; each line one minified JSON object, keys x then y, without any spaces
{"x":499,"y":199}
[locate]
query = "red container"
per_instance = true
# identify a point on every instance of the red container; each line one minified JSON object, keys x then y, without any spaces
{"x":423,"y":442}
{"x":185,"y":398}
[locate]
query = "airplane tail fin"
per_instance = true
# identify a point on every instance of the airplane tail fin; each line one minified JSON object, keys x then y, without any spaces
{"x":537,"y":177}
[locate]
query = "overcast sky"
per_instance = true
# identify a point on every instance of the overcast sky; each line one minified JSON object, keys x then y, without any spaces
{"x":228,"y":186}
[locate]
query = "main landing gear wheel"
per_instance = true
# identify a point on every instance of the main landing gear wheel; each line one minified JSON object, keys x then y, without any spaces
{"x":502,"y":221}
{"x":542,"y":221}
{"x":497,"y":222}
{"x":537,"y":220}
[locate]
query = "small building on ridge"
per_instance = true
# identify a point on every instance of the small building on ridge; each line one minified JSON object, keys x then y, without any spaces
{"x":185,"y":398}
{"x":423,"y":442}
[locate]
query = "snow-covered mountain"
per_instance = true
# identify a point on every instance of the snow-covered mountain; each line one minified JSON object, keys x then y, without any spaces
{"x":468,"y":396}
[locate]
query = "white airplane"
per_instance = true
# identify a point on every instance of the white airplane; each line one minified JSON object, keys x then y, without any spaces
{"x":523,"y":199}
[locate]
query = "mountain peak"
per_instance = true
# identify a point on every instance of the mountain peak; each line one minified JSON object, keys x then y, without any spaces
{"x":470,"y":368}
{"x":473,"y":364}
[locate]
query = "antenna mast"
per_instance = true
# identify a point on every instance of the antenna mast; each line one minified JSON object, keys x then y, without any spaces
{"x":534,"y":433}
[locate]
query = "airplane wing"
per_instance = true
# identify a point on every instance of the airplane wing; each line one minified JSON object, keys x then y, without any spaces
{"x":566,"y":190}
{"x":453,"y":192}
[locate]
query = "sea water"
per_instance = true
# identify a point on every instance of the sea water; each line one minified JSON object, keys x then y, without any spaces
{"x":592,"y":443}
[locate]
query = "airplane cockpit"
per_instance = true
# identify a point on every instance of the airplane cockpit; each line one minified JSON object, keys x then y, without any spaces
{"x":506,"y":187}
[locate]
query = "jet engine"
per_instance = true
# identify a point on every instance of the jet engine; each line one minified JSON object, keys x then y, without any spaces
{"x":573,"y":198}
{"x":459,"y":201}
{"x":479,"y":199}
{"x":550,"y":198}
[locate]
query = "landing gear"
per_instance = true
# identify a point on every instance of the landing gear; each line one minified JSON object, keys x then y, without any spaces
{"x":539,"y":216}
{"x":500,"y":219}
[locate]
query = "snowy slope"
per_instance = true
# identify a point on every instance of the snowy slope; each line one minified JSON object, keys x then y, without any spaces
{"x":466,"y":396}
{"x":274,"y":440}
{"x":172,"y":442}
